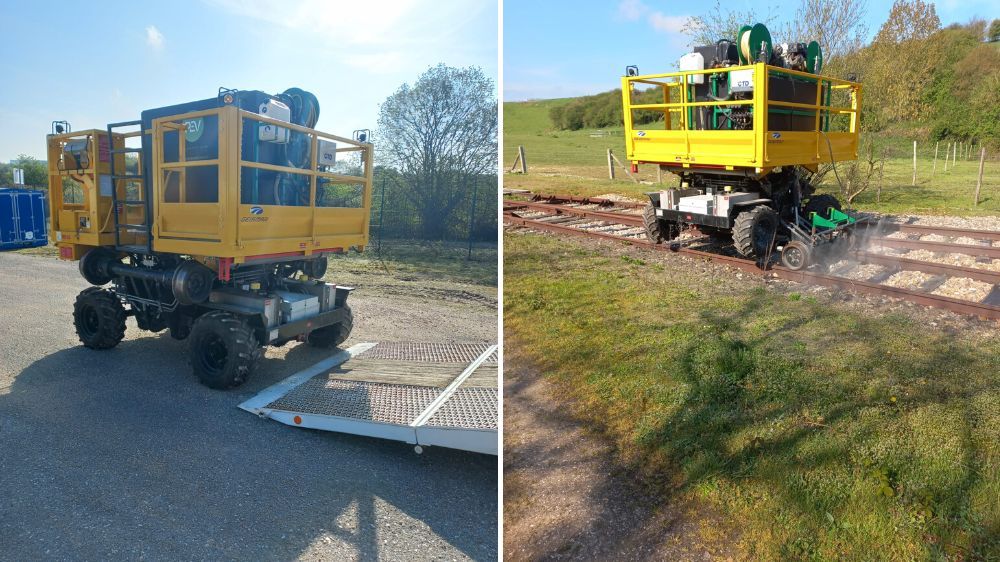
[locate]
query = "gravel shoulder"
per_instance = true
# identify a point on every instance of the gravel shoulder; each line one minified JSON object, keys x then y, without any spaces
{"x":122,"y":454}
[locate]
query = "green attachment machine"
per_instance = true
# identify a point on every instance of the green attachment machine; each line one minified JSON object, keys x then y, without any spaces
{"x":836,"y":218}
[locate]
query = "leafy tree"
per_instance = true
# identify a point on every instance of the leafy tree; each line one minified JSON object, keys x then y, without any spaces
{"x":993,"y":34}
{"x":440,"y":135}
{"x":909,"y":19}
{"x":35,"y":171}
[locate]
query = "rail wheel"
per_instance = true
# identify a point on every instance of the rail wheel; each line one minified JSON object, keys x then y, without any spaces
{"x":795,"y":255}
{"x":335,"y":334}
{"x":656,"y":230}
{"x":316,"y":267}
{"x":224,"y":350}
{"x":99,"y":318}
{"x":94,"y":266}
{"x":754,"y":231}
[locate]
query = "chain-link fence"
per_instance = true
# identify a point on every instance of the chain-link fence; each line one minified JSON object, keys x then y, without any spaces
{"x":463,"y":229}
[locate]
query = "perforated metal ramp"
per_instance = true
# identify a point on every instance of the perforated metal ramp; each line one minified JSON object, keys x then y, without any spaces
{"x":420,"y":393}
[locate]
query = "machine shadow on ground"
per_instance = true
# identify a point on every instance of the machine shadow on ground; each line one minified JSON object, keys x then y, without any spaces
{"x":122,"y":452}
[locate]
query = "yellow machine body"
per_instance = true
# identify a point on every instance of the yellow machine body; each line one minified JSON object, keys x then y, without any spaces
{"x":676,"y":143}
{"x":203,"y":219}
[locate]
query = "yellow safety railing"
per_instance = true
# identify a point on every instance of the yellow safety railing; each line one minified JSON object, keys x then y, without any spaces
{"x":680,"y":142}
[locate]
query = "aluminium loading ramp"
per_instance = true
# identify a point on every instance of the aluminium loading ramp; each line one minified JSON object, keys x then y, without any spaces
{"x":419,"y":393}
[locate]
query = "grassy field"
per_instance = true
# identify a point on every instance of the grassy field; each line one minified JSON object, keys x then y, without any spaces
{"x":822,"y":433}
{"x":575,"y":162}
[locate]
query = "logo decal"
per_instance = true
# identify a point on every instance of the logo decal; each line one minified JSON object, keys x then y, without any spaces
{"x":256,"y":210}
{"x":640,"y":133}
{"x":195,"y":127}
{"x":775,"y":135}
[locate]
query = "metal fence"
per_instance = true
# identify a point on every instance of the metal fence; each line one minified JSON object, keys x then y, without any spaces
{"x":467,"y":230}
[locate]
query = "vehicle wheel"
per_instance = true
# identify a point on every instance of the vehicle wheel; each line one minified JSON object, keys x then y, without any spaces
{"x":656,"y":230}
{"x":334,"y":334}
{"x":99,"y":318}
{"x":754,"y":231}
{"x":315,"y":268}
{"x":819,"y":204}
{"x":192,"y":282}
{"x":795,"y":255}
{"x":224,"y":350}
{"x":94,"y":266}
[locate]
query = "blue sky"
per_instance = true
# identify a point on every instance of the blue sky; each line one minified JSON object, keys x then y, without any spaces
{"x":97,"y":62}
{"x":563,"y":48}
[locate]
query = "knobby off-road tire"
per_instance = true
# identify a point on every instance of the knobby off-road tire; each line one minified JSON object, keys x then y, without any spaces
{"x":754,"y":231}
{"x":99,"y":318}
{"x":334,"y":334}
{"x":224,"y":350}
{"x":656,"y":231}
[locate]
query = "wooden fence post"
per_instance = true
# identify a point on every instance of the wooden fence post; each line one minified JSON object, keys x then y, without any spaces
{"x":611,"y":165}
{"x":881,"y":168}
{"x":947,"y":149}
{"x":524,"y":163}
{"x":954,"y":151}
{"x":934,"y":169}
{"x":979,"y":183}
{"x":659,"y":174}
{"x":914,"y":163}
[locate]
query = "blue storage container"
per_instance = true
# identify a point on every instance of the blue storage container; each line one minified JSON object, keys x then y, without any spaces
{"x":22,"y":219}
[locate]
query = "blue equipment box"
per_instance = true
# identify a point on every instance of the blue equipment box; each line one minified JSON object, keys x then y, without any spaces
{"x":23,"y":214}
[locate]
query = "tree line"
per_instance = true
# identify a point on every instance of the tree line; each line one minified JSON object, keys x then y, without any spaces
{"x":943,"y":83}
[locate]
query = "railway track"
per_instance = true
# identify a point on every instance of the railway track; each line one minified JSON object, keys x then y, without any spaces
{"x":621,"y":221}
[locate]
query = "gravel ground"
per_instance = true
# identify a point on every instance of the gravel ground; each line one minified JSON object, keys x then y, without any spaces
{"x":123,"y":455}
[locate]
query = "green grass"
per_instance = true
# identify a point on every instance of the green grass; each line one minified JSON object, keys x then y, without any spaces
{"x":429,"y":261}
{"x":575,"y":162}
{"x":822,"y":433}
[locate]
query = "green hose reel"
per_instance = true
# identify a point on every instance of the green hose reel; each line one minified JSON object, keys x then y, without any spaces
{"x":754,"y":44}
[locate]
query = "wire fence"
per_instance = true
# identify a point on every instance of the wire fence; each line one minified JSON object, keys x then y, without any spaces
{"x":468,"y":230}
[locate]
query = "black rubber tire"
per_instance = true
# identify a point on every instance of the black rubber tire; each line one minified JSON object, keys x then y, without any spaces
{"x":94,"y":266}
{"x":657,"y":231}
{"x":224,"y":350}
{"x":316,"y":267}
{"x":819,"y":204}
{"x":99,"y":318}
{"x":334,"y":334}
{"x":795,"y":255}
{"x":754,"y":231}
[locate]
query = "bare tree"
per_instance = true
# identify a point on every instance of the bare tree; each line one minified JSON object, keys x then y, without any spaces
{"x":722,"y":23}
{"x":839,"y":27}
{"x":440,"y":134}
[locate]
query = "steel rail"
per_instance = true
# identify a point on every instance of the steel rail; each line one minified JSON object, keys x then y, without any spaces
{"x":972,"y":250}
{"x":980,"y":310}
{"x":906,"y":264}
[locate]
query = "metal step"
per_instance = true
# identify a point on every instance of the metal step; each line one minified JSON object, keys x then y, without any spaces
{"x":125,"y":150}
{"x":126,"y":177}
{"x":142,"y":227}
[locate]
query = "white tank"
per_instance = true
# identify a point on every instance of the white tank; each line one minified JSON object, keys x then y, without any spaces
{"x":694,"y":61}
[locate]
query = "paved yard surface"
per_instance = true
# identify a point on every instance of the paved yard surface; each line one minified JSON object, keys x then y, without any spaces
{"x":122,"y":454}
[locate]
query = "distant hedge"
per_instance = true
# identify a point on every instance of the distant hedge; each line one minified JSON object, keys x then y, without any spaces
{"x":600,"y":110}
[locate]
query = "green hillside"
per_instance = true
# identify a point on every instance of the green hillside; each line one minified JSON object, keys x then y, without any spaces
{"x":528,"y":124}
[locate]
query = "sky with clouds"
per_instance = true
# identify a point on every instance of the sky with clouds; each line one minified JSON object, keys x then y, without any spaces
{"x":562,"y":48}
{"x":101,"y":62}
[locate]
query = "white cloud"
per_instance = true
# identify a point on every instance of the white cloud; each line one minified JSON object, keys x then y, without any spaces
{"x":667,"y":24}
{"x":154,"y":38}
{"x":631,"y":10}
